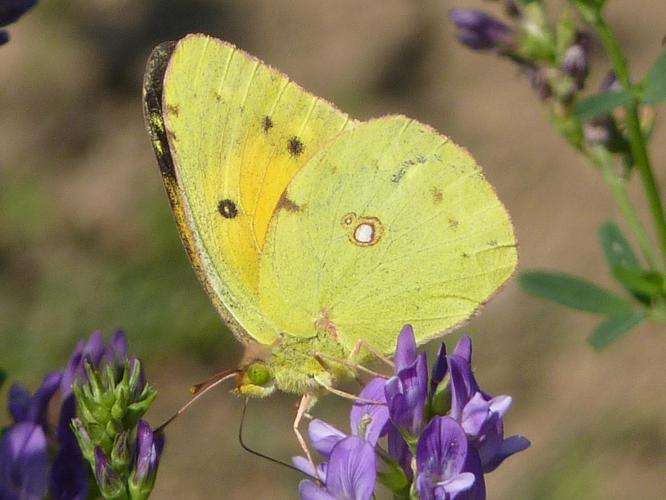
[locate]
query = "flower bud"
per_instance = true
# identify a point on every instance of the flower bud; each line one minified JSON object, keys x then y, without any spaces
{"x":575,"y":64}
{"x":110,"y":483}
{"x":147,"y":452}
{"x":481,"y":31}
{"x":86,"y":444}
{"x":120,"y":452}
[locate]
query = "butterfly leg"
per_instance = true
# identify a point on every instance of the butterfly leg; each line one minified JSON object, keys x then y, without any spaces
{"x":303,"y":407}
{"x":346,"y":395}
{"x":360,"y":344}
{"x":322,"y":357}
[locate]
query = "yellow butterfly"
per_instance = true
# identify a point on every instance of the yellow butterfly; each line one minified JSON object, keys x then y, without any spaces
{"x":314,"y":234}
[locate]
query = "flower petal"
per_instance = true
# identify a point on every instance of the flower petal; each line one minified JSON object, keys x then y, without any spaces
{"x":69,"y":474}
{"x":309,"y":490}
{"x":463,"y":384}
{"x":24,"y":461}
{"x":500,"y":404}
{"x":324,"y":436}
{"x":40,"y":401}
{"x":19,"y":402}
{"x":118,"y":346}
{"x":405,"y":351}
{"x":94,"y":348}
{"x":475,"y":415}
{"x":352,"y":470}
{"x":146,"y":454}
{"x":440,"y":369}
{"x":509,"y":446}
{"x":440,"y":454}
{"x":399,"y":450}
{"x":479,"y":30}
{"x":406,"y":395}
{"x":12,"y":10}
{"x":368,"y":420}
{"x":464,"y":348}
{"x":457,"y":484}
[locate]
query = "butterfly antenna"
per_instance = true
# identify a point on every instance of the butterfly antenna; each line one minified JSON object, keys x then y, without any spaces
{"x":199,"y":390}
{"x":255,"y":452}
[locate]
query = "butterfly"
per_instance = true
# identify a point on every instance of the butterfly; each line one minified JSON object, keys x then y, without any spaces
{"x":316,"y":236}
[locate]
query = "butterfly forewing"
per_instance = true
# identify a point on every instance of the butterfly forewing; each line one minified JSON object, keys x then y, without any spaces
{"x":237,"y":131}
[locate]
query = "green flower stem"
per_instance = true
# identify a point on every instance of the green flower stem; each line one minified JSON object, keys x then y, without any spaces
{"x":636,"y":137}
{"x":618,"y":186}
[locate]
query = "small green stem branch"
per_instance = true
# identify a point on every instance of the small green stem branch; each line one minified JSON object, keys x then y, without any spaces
{"x":618,"y":186}
{"x":636,"y":136}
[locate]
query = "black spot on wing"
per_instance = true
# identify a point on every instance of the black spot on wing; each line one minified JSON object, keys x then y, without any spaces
{"x":267,"y":124}
{"x":227,"y":209}
{"x":295,"y":146}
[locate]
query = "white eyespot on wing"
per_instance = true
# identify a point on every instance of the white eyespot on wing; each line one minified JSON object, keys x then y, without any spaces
{"x":364,"y":233}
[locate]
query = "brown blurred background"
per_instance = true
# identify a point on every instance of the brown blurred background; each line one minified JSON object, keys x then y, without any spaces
{"x":87,"y":240}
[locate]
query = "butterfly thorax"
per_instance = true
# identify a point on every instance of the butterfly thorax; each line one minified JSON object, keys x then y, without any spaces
{"x":298,"y":366}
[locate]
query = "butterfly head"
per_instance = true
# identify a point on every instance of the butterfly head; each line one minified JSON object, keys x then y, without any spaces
{"x":256,"y":380}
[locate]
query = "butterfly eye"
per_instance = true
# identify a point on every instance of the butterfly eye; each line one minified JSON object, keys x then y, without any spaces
{"x":227,"y":209}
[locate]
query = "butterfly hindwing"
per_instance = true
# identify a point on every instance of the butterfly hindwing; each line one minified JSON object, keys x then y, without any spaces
{"x":390,"y":224}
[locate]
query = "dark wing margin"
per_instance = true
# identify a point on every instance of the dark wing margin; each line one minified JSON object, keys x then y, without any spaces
{"x":152,"y":113}
{"x":152,"y":105}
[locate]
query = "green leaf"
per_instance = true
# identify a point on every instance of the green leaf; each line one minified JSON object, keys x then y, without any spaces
{"x":616,"y":247}
{"x":649,"y":283}
{"x":654,"y":83}
{"x":573,"y":292}
{"x":3,"y":377}
{"x":595,"y":4}
{"x":602,"y":104}
{"x":625,"y":266}
{"x":614,"y":328}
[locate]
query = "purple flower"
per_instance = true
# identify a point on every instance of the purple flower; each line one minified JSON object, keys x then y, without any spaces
{"x":443,"y":432}
{"x":92,"y":350}
{"x":575,"y":64}
{"x":10,"y":12}
{"x":610,"y":83}
{"x":370,"y":421}
{"x":24,"y":407}
{"x":114,"y":390}
{"x":400,"y":451}
{"x":351,"y":473}
{"x":439,"y":370}
{"x":481,"y":31}
{"x":148,"y":450}
{"x":406,"y":392}
{"x":406,"y":395}
{"x":480,"y":414}
{"x":24,"y":462}
{"x":110,"y":483}
{"x":405,"y":349}
{"x":441,"y":456}
{"x":69,"y":474}
{"x":324,"y":437}
{"x":24,"y":455}
{"x":367,"y":420}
